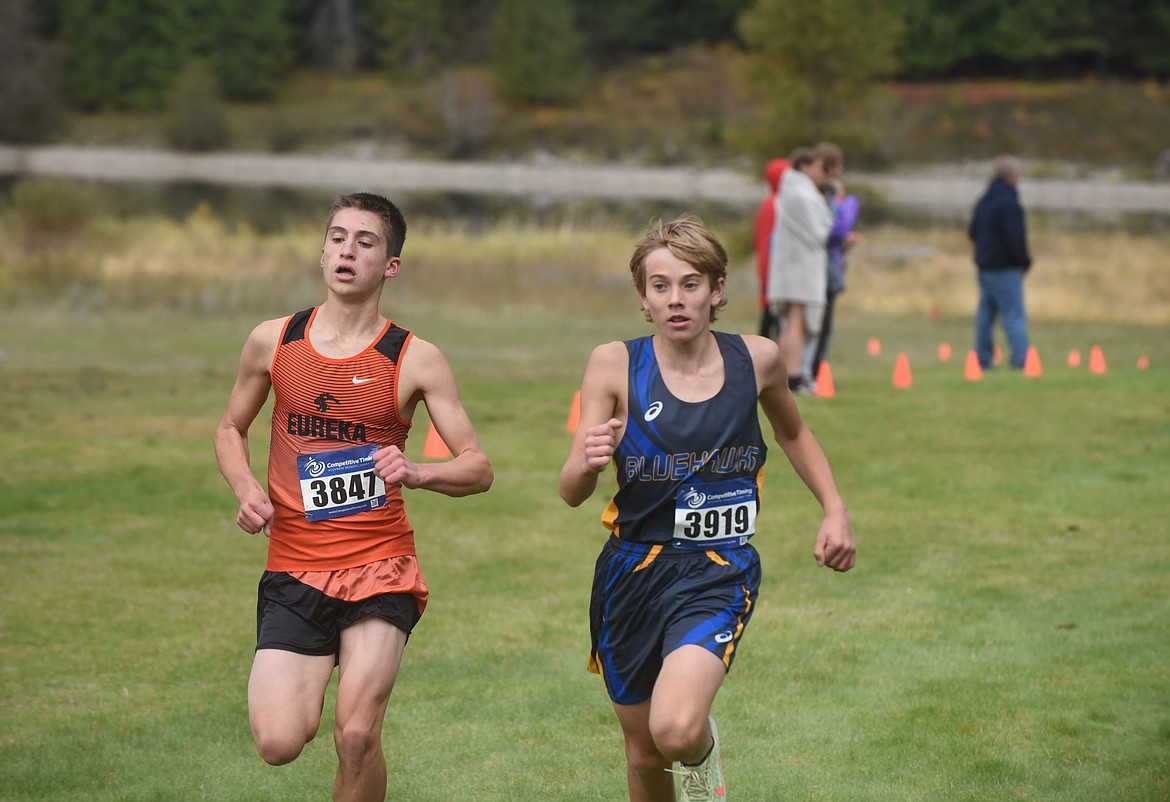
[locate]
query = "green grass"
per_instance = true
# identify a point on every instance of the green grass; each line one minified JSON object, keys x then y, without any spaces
{"x":1004,"y":637}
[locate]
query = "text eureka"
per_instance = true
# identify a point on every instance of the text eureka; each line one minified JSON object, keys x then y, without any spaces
{"x":326,"y":428}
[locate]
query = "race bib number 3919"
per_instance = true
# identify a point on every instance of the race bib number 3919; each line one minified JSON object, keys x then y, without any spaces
{"x":337,"y":483}
{"x":715,"y":514}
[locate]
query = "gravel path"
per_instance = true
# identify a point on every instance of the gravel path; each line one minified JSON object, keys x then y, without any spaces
{"x":941,"y":192}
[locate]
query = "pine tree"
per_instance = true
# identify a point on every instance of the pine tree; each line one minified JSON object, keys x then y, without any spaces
{"x":807,"y":62}
{"x":29,"y":91}
{"x":247,"y":42}
{"x":124,"y":54}
{"x":537,"y":50}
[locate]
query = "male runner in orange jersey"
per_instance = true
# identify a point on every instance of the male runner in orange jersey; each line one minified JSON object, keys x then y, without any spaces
{"x":342,"y":585}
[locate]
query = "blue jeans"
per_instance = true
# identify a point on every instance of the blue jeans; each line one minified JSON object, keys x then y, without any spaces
{"x":1001,"y":293}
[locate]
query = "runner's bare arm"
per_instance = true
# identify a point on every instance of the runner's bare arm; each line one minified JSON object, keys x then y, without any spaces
{"x":603,"y":410}
{"x":253,"y":383}
{"x":426,"y":377}
{"x":835,"y":546}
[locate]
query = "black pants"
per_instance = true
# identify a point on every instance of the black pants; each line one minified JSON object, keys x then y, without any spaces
{"x":826,"y":332}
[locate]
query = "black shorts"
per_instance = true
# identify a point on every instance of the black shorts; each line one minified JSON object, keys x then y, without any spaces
{"x":647,"y":601}
{"x":296,"y":617}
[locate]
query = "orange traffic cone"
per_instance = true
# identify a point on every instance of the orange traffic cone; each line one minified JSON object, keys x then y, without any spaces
{"x":825,"y":386}
{"x":435,"y":448}
{"x":1032,"y":367}
{"x":1143,"y":362}
{"x":1096,"y":360}
{"x":874,"y":346}
{"x":902,"y":377}
{"x":972,"y":372}
{"x":574,"y":413}
{"x":1074,"y":358}
{"x":944,"y":351}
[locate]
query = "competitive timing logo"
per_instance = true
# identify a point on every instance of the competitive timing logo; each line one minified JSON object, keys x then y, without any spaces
{"x":694,"y":499}
{"x":315,"y":468}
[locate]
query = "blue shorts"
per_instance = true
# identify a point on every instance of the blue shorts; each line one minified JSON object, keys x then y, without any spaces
{"x":296,"y":617}
{"x":649,"y":600}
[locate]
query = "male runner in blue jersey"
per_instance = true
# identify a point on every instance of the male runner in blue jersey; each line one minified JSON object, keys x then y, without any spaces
{"x":675,"y":413}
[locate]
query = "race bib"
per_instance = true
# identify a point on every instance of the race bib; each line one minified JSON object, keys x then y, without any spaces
{"x":338,"y":483}
{"x":716,"y":514}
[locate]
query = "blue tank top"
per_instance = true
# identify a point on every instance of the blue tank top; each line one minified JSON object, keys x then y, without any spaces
{"x":689,"y":474}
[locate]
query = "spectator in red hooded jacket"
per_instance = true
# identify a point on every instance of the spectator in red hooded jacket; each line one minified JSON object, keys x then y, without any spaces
{"x":765,"y":220}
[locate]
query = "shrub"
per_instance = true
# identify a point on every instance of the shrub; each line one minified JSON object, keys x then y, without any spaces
{"x":42,"y":251}
{"x":50,"y":210}
{"x":195,"y":119}
{"x":286,"y":133}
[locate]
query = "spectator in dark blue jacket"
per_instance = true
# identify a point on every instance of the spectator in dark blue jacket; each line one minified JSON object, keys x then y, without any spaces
{"x":1001,"y":253}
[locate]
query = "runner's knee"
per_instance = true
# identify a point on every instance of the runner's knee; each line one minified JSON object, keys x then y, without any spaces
{"x":355,"y":742}
{"x":278,"y":748}
{"x":677,"y":734}
{"x":645,"y":759}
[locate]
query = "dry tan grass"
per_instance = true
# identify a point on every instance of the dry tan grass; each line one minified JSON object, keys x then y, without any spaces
{"x":577,"y":266}
{"x":454,"y":256}
{"x":205,"y":263}
{"x":518,"y":259}
{"x":1083,"y":275}
{"x":202,"y":246}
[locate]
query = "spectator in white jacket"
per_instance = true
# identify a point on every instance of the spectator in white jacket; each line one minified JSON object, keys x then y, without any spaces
{"x":798,"y":271}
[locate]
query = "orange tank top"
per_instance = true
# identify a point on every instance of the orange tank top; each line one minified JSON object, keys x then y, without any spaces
{"x":334,"y":412}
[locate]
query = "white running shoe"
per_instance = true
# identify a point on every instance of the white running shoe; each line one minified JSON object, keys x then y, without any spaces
{"x":704,"y":782}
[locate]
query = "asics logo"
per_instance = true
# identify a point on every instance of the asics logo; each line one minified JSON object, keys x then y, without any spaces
{"x":652,"y":411}
{"x":356,"y":380}
{"x":724,"y":637}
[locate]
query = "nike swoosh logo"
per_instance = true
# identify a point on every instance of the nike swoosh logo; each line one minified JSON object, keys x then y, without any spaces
{"x":356,"y":380}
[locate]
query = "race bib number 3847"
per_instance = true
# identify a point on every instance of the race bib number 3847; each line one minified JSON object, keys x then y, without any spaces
{"x":715,"y":514}
{"x":337,"y":483}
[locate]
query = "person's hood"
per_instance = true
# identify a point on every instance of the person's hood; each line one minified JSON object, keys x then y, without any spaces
{"x":773,"y":172}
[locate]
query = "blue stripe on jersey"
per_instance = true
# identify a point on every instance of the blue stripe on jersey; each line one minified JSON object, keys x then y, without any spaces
{"x":645,"y":440}
{"x":729,"y":620}
{"x":724,"y":622}
{"x":737,"y":557}
{"x":619,"y":565}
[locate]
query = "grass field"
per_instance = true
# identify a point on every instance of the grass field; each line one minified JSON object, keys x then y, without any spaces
{"x":1005,"y":635}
